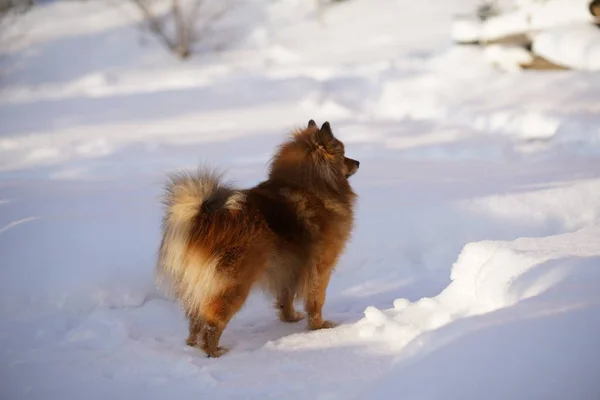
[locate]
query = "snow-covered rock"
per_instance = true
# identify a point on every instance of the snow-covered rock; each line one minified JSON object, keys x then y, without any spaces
{"x":575,"y":46}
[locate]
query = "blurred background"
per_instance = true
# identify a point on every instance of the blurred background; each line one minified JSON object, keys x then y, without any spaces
{"x":97,"y":76}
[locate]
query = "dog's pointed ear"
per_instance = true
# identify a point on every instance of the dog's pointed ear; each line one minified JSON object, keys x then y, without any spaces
{"x":325,"y":135}
{"x":312,"y":123}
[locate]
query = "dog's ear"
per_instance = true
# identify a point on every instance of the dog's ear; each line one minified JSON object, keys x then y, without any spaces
{"x":312,"y":124}
{"x":325,"y":136}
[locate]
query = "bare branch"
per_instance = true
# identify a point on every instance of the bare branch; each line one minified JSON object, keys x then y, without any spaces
{"x":194,"y":12}
{"x":209,"y":22}
{"x":154,"y":24}
{"x":189,"y":27}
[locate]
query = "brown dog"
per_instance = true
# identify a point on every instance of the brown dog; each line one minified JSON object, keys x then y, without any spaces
{"x":285,"y":234}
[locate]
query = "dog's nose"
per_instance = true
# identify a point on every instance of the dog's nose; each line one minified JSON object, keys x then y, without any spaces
{"x":357,"y":164}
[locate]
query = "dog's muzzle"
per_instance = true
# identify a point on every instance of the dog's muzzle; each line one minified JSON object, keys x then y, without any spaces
{"x":351,"y":166}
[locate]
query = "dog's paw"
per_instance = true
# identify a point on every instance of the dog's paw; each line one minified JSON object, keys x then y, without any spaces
{"x":192,"y":341}
{"x":328,"y":325}
{"x":297,"y":316}
{"x":217,"y":353}
{"x":323,"y":325}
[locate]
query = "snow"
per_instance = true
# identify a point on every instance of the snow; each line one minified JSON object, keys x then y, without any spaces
{"x":524,"y":17}
{"x":509,"y":58}
{"x":516,"y":302}
{"x":473,"y":269}
{"x":575,"y":46}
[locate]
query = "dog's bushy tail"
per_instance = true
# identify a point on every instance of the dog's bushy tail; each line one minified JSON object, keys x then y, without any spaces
{"x":190,"y":278}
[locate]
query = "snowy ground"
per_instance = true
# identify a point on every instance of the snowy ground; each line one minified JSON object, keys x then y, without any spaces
{"x":474,"y":268}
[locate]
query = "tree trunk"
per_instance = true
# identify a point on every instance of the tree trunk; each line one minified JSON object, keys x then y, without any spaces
{"x":183,"y":32}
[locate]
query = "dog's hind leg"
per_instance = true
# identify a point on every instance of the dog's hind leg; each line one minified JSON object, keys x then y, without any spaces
{"x":217,"y":315}
{"x":210,"y":340}
{"x":196,"y":325}
{"x":285,"y":304}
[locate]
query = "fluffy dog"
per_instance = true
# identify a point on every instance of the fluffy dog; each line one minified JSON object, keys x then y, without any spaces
{"x":284,"y":235}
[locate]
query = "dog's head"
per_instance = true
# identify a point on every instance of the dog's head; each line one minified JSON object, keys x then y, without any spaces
{"x":332,"y":149}
{"x":314,"y":156}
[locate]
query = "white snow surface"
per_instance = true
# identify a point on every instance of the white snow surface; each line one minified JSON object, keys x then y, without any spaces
{"x":575,"y":46}
{"x":473,"y":271}
{"x":521,"y":17}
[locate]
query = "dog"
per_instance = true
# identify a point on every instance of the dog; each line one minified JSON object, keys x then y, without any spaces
{"x":284,"y":235}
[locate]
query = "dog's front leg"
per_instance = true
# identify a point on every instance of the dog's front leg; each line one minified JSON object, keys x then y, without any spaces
{"x":316,"y":298}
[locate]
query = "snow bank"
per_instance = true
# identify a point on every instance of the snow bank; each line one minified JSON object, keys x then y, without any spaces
{"x":485,"y":273}
{"x":444,"y":92}
{"x":491,"y":275}
{"x":524,"y":293}
{"x":574,"y":46}
{"x":503,"y":312}
{"x":509,"y":58}
{"x":466,"y":29}
{"x":557,"y":208}
{"x":528,"y":17}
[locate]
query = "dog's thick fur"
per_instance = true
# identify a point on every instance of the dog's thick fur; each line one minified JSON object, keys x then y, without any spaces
{"x":285,"y":235}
